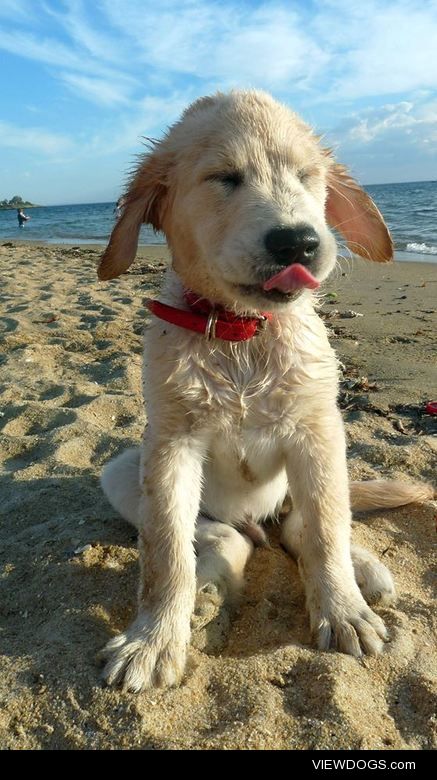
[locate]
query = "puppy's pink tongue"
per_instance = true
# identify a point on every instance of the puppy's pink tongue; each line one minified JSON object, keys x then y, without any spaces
{"x":294,"y":277}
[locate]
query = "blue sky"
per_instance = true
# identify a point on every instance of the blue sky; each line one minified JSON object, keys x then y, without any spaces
{"x":82,"y":80}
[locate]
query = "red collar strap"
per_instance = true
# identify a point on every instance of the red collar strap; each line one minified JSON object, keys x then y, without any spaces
{"x":213,"y":322}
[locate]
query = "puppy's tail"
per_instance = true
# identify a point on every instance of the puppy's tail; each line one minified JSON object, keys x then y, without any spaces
{"x":120,"y":481}
{"x":387,"y":494}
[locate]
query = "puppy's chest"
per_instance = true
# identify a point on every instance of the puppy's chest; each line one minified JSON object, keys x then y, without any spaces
{"x":252,"y":389}
{"x":245,"y":396}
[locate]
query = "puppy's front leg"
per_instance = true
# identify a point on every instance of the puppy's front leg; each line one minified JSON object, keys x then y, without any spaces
{"x":316,"y":466}
{"x":152,"y":652}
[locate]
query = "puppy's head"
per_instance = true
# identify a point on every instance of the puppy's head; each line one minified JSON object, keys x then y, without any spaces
{"x":245,"y":195}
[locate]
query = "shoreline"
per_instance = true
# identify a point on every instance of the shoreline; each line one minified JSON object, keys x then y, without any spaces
{"x":98,"y":247}
{"x":400,"y":255}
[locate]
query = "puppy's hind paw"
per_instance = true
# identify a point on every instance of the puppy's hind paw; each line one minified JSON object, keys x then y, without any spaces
{"x":209,"y":601}
{"x":210,"y":621}
{"x":373,"y":578}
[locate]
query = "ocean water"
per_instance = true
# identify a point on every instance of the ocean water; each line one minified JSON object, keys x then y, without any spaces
{"x":85,"y":223}
{"x":410,"y":211}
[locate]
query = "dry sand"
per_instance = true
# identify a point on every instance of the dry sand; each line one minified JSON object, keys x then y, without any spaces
{"x":70,"y":400}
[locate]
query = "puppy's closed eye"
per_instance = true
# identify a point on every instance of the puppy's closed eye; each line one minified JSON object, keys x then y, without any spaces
{"x":230,"y":179}
{"x":305,"y":175}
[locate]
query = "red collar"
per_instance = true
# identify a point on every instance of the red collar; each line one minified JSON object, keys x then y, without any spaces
{"x":213,"y":322}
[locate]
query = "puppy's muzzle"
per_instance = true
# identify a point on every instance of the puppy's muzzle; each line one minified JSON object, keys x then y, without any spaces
{"x":286,"y":245}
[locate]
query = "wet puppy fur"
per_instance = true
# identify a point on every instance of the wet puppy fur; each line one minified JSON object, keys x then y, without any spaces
{"x":242,"y":188}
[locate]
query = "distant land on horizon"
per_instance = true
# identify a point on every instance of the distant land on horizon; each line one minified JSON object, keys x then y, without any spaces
{"x":17,"y":202}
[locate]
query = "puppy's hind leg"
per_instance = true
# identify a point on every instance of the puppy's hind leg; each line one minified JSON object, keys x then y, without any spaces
{"x":120,"y":482}
{"x":291,"y":533}
{"x":373,"y":578}
{"x":222,"y":554}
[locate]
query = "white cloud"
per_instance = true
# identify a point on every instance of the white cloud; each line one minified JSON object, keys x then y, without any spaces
{"x":89,"y":78}
{"x":47,"y":50}
{"x":394,"y":121}
{"x":396,"y":142}
{"x":147,"y":119}
{"x":17,"y":9}
{"x":100,"y":91}
{"x":99,"y":45}
{"x":33,"y":139}
{"x":271,"y":50}
{"x":378,"y":122}
{"x":379,"y":48}
{"x":267,"y":46}
{"x":337,"y":48}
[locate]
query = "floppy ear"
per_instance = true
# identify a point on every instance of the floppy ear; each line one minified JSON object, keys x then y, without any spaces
{"x":143,"y":202}
{"x":353,"y":213}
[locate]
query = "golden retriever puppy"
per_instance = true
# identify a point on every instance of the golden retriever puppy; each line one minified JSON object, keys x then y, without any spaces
{"x":241,"y":382}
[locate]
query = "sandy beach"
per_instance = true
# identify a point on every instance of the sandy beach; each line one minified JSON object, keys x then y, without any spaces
{"x":70,"y":399}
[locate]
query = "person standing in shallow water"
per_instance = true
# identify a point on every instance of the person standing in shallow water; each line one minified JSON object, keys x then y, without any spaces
{"x":22,"y":218}
{"x":118,"y":208}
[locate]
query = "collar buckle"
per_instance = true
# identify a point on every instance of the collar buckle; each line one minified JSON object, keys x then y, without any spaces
{"x":261,"y":325}
{"x":211,"y":325}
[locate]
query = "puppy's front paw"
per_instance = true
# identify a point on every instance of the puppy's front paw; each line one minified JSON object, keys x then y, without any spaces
{"x":348,"y":625}
{"x":147,"y":655}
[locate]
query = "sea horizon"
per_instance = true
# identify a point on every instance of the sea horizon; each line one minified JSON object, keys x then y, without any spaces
{"x":105,"y":202}
{"x":409,"y":208}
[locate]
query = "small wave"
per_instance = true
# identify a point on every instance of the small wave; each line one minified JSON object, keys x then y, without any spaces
{"x":422,"y":249}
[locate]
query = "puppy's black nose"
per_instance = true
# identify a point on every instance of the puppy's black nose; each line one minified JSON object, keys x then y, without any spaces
{"x":292,"y":244}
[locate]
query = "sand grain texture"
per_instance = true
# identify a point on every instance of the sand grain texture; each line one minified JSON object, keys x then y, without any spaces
{"x":69,"y":400}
